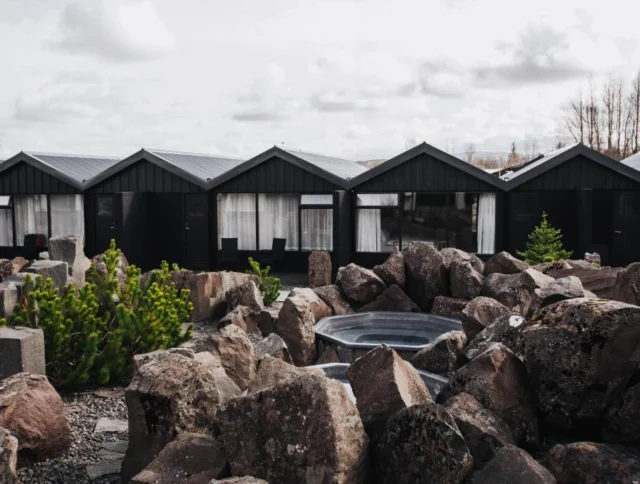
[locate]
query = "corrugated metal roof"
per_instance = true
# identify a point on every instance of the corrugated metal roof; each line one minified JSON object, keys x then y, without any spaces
{"x":77,"y":167}
{"x":516,"y":172}
{"x":633,"y":161}
{"x":345,"y":169}
{"x":205,"y":167}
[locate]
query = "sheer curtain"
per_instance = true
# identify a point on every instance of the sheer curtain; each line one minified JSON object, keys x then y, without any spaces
{"x":487,"y":223}
{"x":278,"y":217}
{"x":31,"y":216}
{"x":317,"y":229}
{"x":6,"y":228}
{"x":67,"y":215}
{"x":369,"y":236}
{"x":237,"y":218}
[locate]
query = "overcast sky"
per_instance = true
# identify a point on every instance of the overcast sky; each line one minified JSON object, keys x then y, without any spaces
{"x":351,"y":78}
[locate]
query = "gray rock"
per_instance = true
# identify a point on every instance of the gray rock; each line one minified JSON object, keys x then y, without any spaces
{"x":235,"y":350}
{"x":110,"y":425}
{"x":426,"y":274}
{"x":443,"y":355}
{"x":105,"y":468}
{"x":8,"y":458}
{"x":358,"y":284}
{"x":465,"y":281}
{"x":392,"y":299}
{"x":449,"y":307}
{"x":319,"y":269}
{"x":242,"y":317}
{"x":506,"y":330}
{"x":246,"y":294}
{"x":480,"y":313}
{"x":8,"y":299}
{"x":504,"y":263}
{"x":512,"y":465}
{"x":272,"y":372}
{"x":57,"y":271}
{"x":450,"y":254}
{"x":21,"y":350}
{"x":273,"y":345}
{"x":70,"y":249}
{"x":627,"y":287}
{"x":333,"y":297}
{"x":622,"y":421}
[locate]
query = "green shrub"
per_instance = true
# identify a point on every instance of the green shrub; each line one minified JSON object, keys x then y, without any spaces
{"x":269,"y":286}
{"x":92,"y":333}
{"x":545,"y":244}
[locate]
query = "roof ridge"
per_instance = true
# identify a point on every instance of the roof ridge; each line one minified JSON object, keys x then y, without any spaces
{"x":314,"y":153}
{"x":224,"y":157}
{"x":35,"y":154}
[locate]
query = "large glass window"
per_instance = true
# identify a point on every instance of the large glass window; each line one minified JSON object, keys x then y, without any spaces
{"x":317,"y":228}
{"x":278,"y":218}
{"x":377,"y":229}
{"x":31,"y":216}
{"x":237,"y":219}
{"x":6,"y":228}
{"x":67,"y":215}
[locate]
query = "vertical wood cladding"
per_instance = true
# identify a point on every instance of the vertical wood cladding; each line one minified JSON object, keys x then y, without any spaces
{"x":24,"y":179}
{"x":277,"y":176}
{"x":424,"y":173}
{"x":144,"y":176}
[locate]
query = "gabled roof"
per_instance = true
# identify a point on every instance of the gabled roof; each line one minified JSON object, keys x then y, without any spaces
{"x":334,"y":170}
{"x":633,"y":161}
{"x":424,"y":148}
{"x":197,"y":168}
{"x":75,"y":170}
{"x":555,"y":158}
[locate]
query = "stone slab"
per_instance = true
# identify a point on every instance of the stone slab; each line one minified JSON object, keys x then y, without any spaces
{"x":21,"y":350}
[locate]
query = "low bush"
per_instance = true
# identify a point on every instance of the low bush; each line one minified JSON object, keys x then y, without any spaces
{"x":92,"y":333}
{"x":269,"y":286}
{"x":545,"y":244}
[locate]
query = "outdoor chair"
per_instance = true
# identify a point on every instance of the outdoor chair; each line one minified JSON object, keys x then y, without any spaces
{"x":229,"y":256}
{"x":277,"y":252}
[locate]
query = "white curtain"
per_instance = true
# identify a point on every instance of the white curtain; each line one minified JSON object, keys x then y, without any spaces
{"x":369,"y":234}
{"x":237,"y":219}
{"x":487,"y":223}
{"x":321,"y":199}
{"x":278,"y":217}
{"x":31,"y":216}
{"x":6,"y":228}
{"x":378,"y":199}
{"x":460,"y":200}
{"x":317,"y":229}
{"x":67,"y":215}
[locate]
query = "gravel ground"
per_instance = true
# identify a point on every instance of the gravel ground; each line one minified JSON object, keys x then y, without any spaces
{"x":84,"y":410}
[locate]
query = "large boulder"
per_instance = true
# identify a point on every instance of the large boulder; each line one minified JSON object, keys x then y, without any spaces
{"x":449,"y":307}
{"x":547,"y":267}
{"x":33,"y":412}
{"x":563,"y":288}
{"x":172,"y":392}
{"x":581,"y":353}
{"x":622,"y":421}
{"x":192,"y":458}
{"x":268,"y":318}
{"x":21,"y":351}
{"x":8,"y":458}
{"x":426,"y":274}
{"x":70,"y":249}
{"x":232,"y":345}
{"x":506,"y":330}
{"x":504,"y":263}
{"x":334,"y":298}
{"x":273,"y":345}
{"x":451,"y":254}
{"x":465,"y":281}
{"x":8,"y":298}
{"x":55,"y":270}
{"x":299,"y":313}
{"x":307,"y":430}
{"x":484,"y":433}
{"x":319,"y":269}
{"x":480,"y":313}
{"x":592,"y":462}
{"x":627,"y":287}
{"x":358,"y":284}
{"x":384,"y":383}
{"x":443,"y":355}
{"x":98,"y":270}
{"x":208,"y":290}
{"x":392,"y":271}
{"x":600,"y":281}
{"x":273,"y":372}
{"x":499,"y":381}
{"x":246,"y":294}
{"x":421,"y":443}
{"x":512,"y":465}
{"x":392,"y":299}
{"x":242,"y":317}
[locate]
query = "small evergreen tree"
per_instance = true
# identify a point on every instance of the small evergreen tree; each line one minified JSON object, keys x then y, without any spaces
{"x":545,"y":244}
{"x":269,"y":286}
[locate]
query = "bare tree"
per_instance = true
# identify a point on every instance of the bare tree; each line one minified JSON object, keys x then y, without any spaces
{"x":531,"y":148}
{"x":634,"y":98}
{"x":470,"y":152}
{"x":410,"y":142}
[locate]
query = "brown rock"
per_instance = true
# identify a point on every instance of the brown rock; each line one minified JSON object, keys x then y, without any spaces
{"x":601,"y":282}
{"x":11,"y":267}
{"x":504,"y":263}
{"x":299,"y":313}
{"x":622,"y":421}
{"x":426,"y":274}
{"x":33,"y":412}
{"x":525,"y":291}
{"x":273,"y":372}
{"x":330,"y":355}
{"x":591,"y":462}
{"x":268,"y":318}
{"x":480,"y":313}
{"x":234,"y":348}
{"x":627,"y":287}
{"x":319,"y":269}
{"x":242,"y":317}
{"x":450,"y":254}
{"x":484,"y":433}
{"x":8,"y":458}
{"x":334,"y":298}
{"x":499,"y":381}
{"x":273,"y":345}
{"x":581,"y":354}
{"x":191,"y":458}
{"x":413,"y":437}
{"x":506,"y":330}
{"x":306,"y":430}
{"x":240,"y":480}
{"x":465,"y":281}
{"x":392,"y":271}
{"x":171,"y":393}
{"x":443,"y":355}
{"x":246,"y":294}
{"x":358,"y":284}
{"x":392,"y":299}
{"x":449,"y":307}
{"x":547,"y":267}
{"x":510,"y":466}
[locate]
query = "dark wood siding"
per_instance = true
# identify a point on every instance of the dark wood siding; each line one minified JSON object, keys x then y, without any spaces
{"x":24,"y":179}
{"x":580,"y":172}
{"x":277,"y":176}
{"x":144,"y":176}
{"x":424,"y":173}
